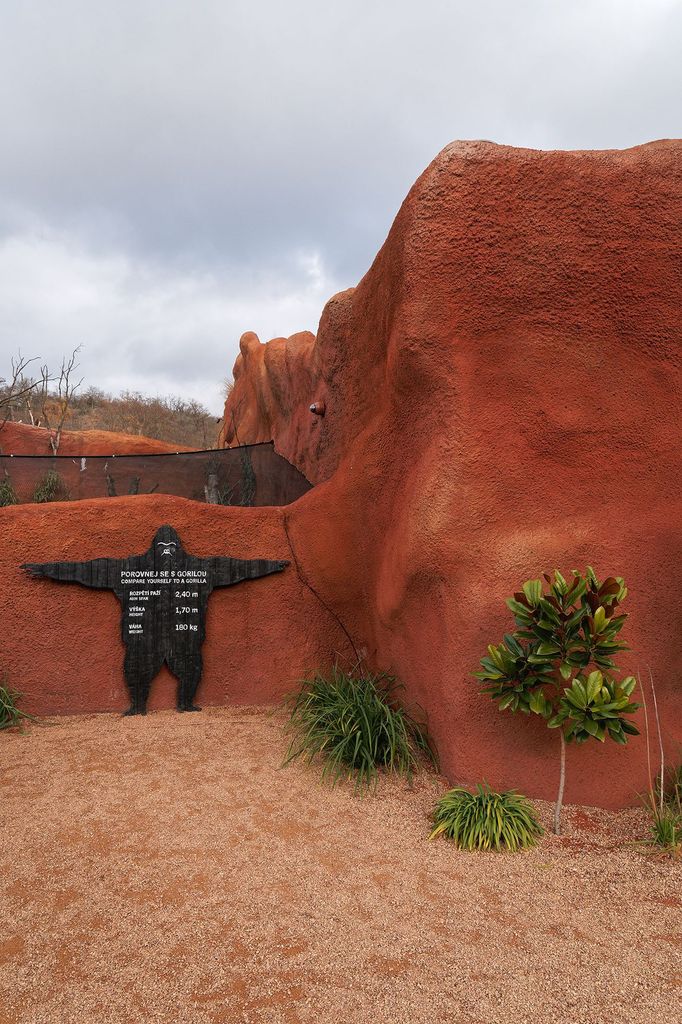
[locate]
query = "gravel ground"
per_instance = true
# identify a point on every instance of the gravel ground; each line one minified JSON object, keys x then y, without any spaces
{"x":167,"y":869}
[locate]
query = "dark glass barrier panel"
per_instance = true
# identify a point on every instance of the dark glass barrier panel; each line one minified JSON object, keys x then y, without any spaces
{"x":250,"y":475}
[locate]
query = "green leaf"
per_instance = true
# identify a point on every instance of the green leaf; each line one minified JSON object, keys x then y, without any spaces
{"x":578,"y":688}
{"x":576,"y":591}
{"x":576,"y":618}
{"x":518,"y":610}
{"x":490,"y":664}
{"x":561,"y":583}
{"x":628,"y":685}
{"x":550,"y":611}
{"x":533,"y":592}
{"x":513,"y":646}
{"x":496,"y":657}
{"x":537,"y":702}
{"x":565,"y":670}
{"x":593,"y":686}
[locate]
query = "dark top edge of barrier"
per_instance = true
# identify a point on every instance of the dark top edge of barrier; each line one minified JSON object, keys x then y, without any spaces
{"x":140,"y":455}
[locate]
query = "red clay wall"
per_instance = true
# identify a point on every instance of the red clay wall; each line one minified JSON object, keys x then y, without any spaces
{"x":61,"y":643}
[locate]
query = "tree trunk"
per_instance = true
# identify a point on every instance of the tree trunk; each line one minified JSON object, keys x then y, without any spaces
{"x":211,"y":490}
{"x":562,"y":779}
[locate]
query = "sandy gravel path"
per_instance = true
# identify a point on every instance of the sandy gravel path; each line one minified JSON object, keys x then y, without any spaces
{"x":166,"y":869}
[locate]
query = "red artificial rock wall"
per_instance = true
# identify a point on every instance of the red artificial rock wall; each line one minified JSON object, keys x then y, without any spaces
{"x":502,"y":397}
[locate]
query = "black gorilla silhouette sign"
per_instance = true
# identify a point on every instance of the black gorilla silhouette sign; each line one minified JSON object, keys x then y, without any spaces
{"x":164,"y":594}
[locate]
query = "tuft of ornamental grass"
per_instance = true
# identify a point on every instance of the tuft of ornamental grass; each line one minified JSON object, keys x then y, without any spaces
{"x":664,"y":799}
{"x":10,"y":714}
{"x":665,"y":811}
{"x":672,"y":788}
{"x":8,"y":496}
{"x":666,"y":830}
{"x":486,"y":820}
{"x":356,"y":725}
{"x":50,"y":487}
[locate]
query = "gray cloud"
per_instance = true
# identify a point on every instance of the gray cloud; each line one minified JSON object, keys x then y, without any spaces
{"x":174,"y":173}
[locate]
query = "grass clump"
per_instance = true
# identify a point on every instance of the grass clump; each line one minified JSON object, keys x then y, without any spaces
{"x":664,"y":799}
{"x":51,"y":487}
{"x":356,"y":725}
{"x":11,"y":714}
{"x":665,"y":808}
{"x":485,"y":820}
{"x":8,"y":496}
{"x":666,"y":830}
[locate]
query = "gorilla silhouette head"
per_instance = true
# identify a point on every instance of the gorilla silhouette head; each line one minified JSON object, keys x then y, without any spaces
{"x":166,"y":546}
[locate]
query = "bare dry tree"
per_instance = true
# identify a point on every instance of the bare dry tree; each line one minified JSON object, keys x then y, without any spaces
{"x":54,"y":405}
{"x":16,"y":388}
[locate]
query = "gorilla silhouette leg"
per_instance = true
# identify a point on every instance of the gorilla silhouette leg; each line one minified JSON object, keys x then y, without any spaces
{"x":187,"y":669}
{"x":139,"y":672}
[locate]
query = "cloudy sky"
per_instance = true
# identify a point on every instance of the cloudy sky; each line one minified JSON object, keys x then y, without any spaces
{"x":175,"y":172}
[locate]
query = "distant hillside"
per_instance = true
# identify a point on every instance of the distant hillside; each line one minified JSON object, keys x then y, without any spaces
{"x":172,"y":420}
{"x":23,"y":439}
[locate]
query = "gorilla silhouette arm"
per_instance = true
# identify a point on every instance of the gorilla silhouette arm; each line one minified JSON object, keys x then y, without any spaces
{"x":100,"y":573}
{"x":227,"y":571}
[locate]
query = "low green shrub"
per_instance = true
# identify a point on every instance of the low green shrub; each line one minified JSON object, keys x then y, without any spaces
{"x":485,"y":820}
{"x":8,"y":495}
{"x":356,"y":725}
{"x":50,"y":488}
{"x":10,"y":714}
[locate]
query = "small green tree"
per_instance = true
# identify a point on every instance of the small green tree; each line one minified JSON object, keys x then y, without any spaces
{"x":559,"y":662}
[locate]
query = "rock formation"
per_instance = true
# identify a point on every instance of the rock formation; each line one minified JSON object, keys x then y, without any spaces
{"x":502,"y":397}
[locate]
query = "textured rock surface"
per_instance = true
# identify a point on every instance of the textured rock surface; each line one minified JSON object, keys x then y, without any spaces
{"x":502,"y":396}
{"x":23,"y":439}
